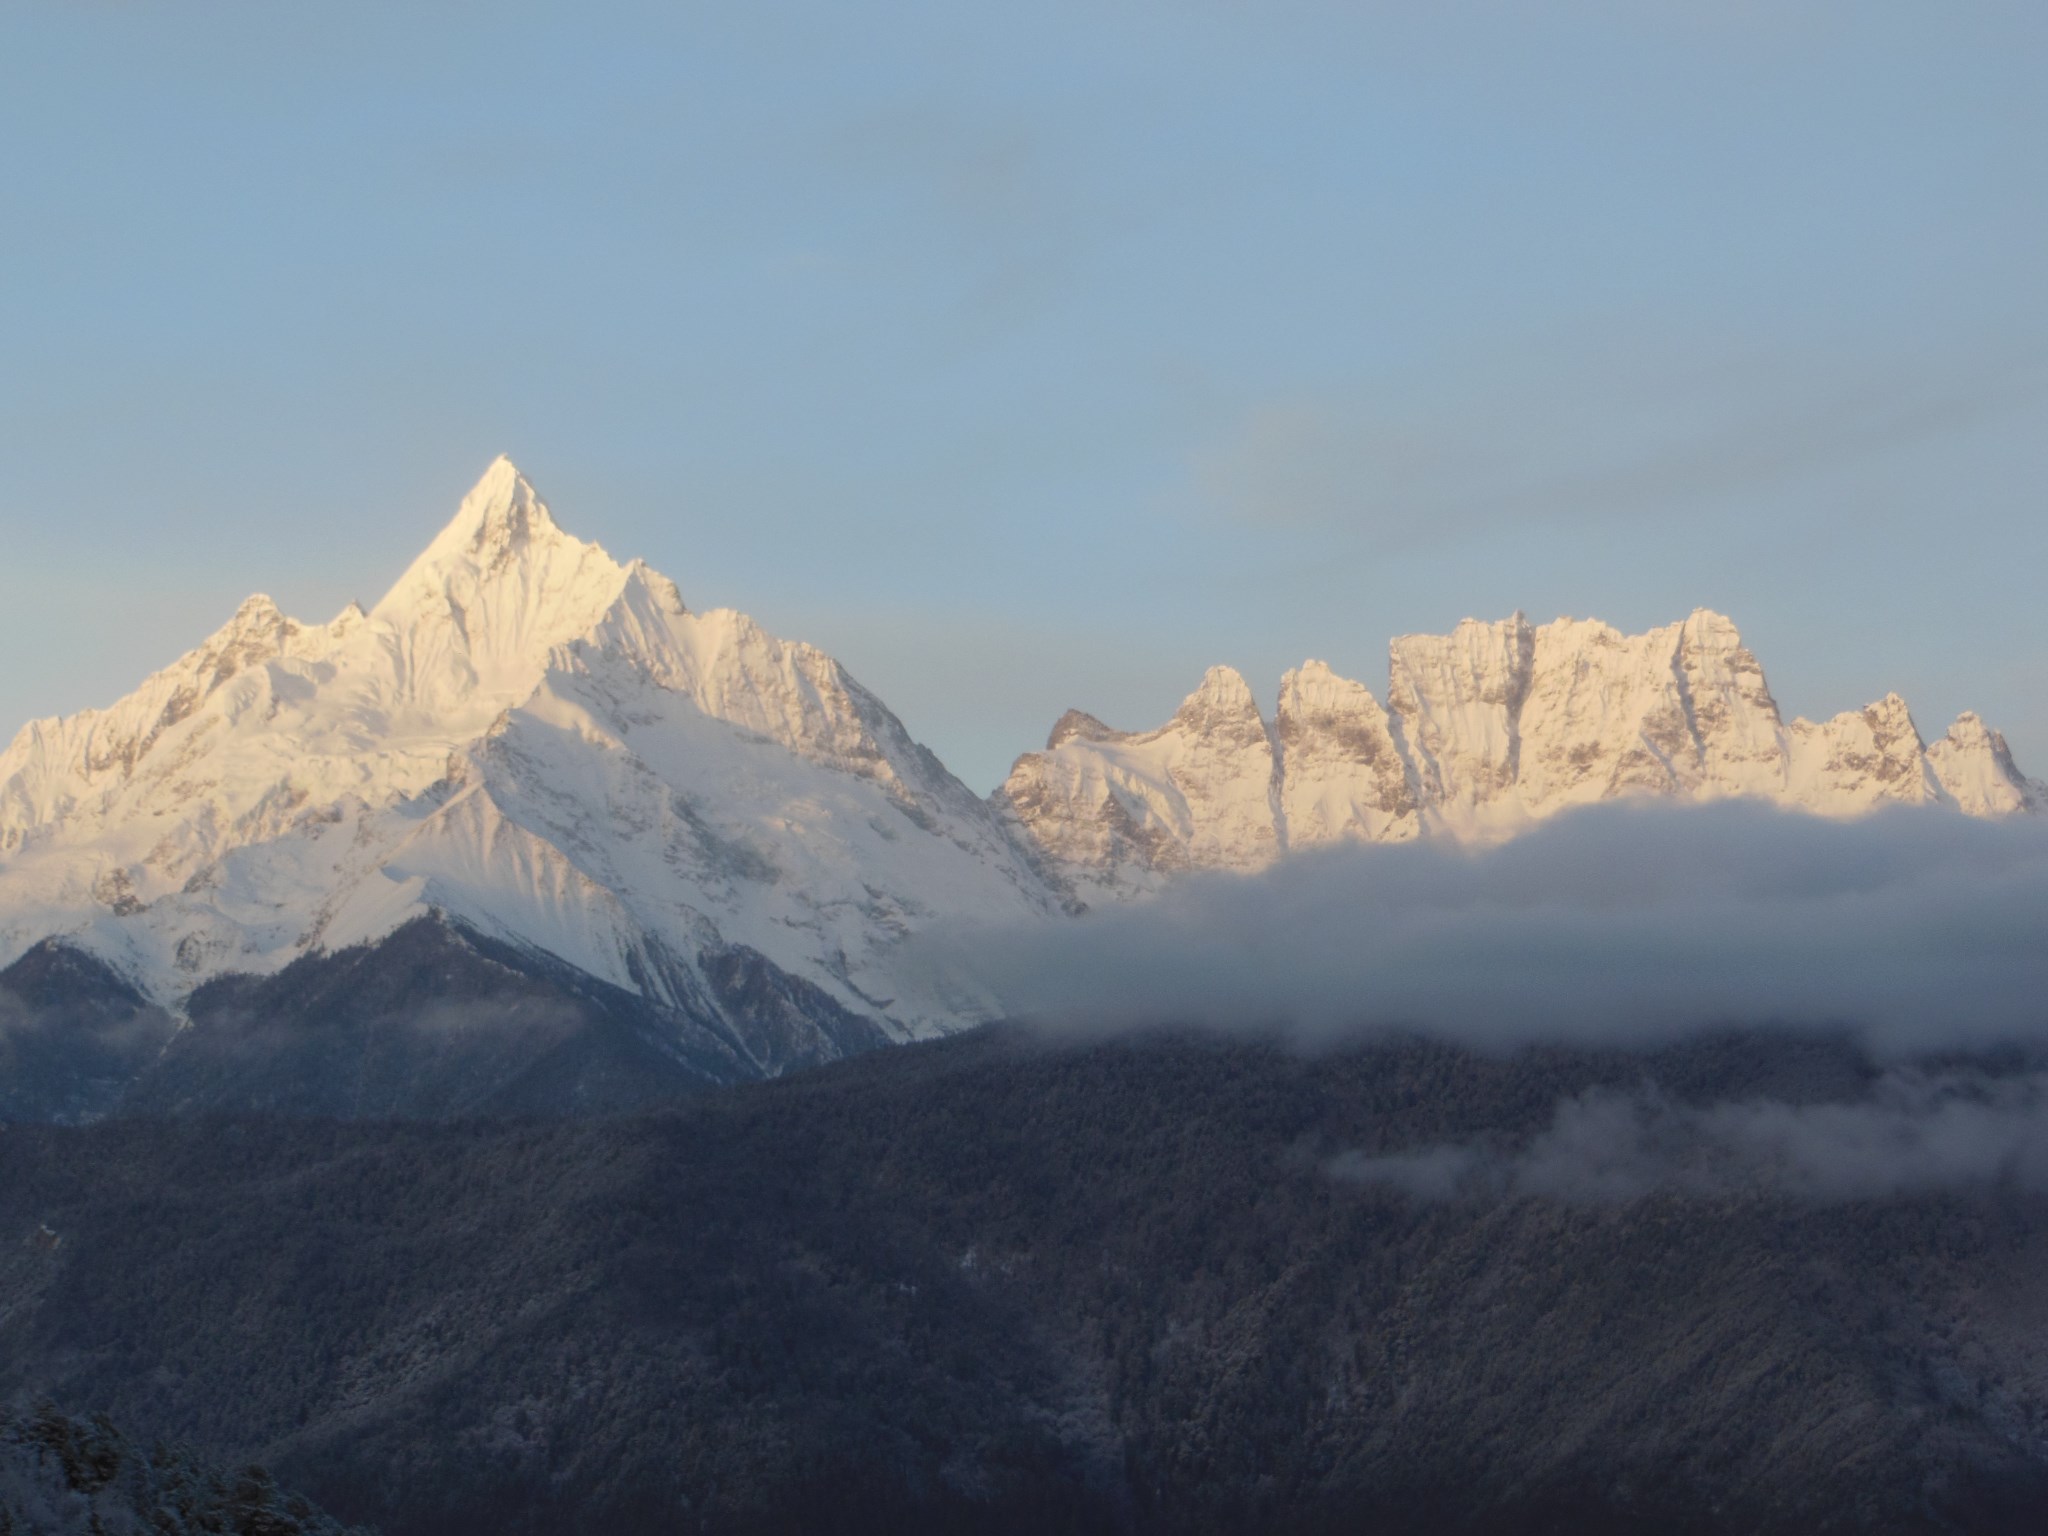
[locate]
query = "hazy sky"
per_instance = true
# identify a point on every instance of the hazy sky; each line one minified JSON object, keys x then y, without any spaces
{"x":1036,"y":356}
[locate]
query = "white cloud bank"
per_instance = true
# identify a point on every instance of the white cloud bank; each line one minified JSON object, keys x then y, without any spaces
{"x":1621,"y":924}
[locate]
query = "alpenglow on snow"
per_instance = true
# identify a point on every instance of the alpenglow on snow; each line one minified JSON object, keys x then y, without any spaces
{"x":540,"y":746}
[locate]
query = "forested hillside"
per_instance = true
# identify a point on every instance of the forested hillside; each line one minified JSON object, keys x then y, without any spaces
{"x":61,"y":1476}
{"x":991,"y":1284}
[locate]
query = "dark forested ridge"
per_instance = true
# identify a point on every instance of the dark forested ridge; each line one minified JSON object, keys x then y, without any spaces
{"x":992,"y":1285}
{"x":433,"y":1021}
{"x":73,"y":1036}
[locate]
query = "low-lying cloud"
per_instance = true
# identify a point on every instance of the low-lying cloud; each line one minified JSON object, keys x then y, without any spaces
{"x":1618,"y":925}
{"x":1918,"y":1132}
{"x":114,"y":1028}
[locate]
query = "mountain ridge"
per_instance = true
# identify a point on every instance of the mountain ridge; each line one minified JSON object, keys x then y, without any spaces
{"x":472,"y":743}
{"x":552,"y":751}
{"x":1484,"y":732}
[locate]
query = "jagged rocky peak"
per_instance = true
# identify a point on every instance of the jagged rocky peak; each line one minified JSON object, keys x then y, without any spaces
{"x":1485,"y":730}
{"x":473,"y":619}
{"x":1222,"y":761}
{"x":352,"y":617}
{"x":258,"y":631}
{"x":1078,"y":724}
{"x":1113,"y":812}
{"x":261,"y":631}
{"x":1477,"y":661}
{"x":501,"y":512}
{"x":258,"y":612}
{"x":502,"y":533}
{"x":1681,"y":710}
{"x":1740,"y":728}
{"x":1862,"y":758}
{"x":1342,"y":774}
{"x":463,"y":634}
{"x":1312,"y":695}
{"x":1976,"y":770}
{"x":1222,"y":706}
{"x":54,"y":764}
{"x":1458,"y":696}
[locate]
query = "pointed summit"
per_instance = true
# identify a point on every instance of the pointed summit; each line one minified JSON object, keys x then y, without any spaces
{"x":1222,"y":707}
{"x":1976,"y":769}
{"x":501,"y":513}
{"x":473,"y":618}
{"x":258,"y":629}
{"x":501,"y":523}
{"x":1078,"y":723}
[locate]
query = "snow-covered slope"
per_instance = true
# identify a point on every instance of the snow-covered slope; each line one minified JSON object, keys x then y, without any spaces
{"x":1196,"y":793}
{"x":1485,"y":730}
{"x":716,"y":840}
{"x":527,"y":736}
{"x":1343,"y":773}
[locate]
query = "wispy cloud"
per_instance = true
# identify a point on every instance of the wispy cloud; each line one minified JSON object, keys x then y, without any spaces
{"x":1917,"y":1132}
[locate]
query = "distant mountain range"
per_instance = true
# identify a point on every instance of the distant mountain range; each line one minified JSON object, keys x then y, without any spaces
{"x":623,"y":846}
{"x":1485,"y":731}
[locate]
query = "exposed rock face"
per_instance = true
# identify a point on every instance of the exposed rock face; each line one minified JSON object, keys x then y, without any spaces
{"x":1681,"y":710}
{"x":1486,"y":729}
{"x":1459,"y":697}
{"x":1863,"y":757}
{"x":1974,"y":767}
{"x":1344,"y":773}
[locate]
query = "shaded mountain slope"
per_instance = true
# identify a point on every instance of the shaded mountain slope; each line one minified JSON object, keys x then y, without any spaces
{"x":436,"y":1021}
{"x":74,"y":1035}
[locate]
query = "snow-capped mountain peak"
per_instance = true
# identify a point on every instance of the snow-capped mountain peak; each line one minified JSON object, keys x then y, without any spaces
{"x":501,"y":514}
{"x":526,"y":735}
{"x":1974,"y":767}
{"x":471,"y":623}
{"x":1117,"y":812}
{"x":1485,"y":730}
{"x":534,"y":745}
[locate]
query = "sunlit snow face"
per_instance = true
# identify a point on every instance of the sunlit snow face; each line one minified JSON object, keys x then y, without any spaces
{"x":537,"y":740}
{"x":1487,"y":731}
{"x":526,"y":735}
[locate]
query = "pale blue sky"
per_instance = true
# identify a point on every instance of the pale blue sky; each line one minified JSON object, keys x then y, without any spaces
{"x":1034,"y":356}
